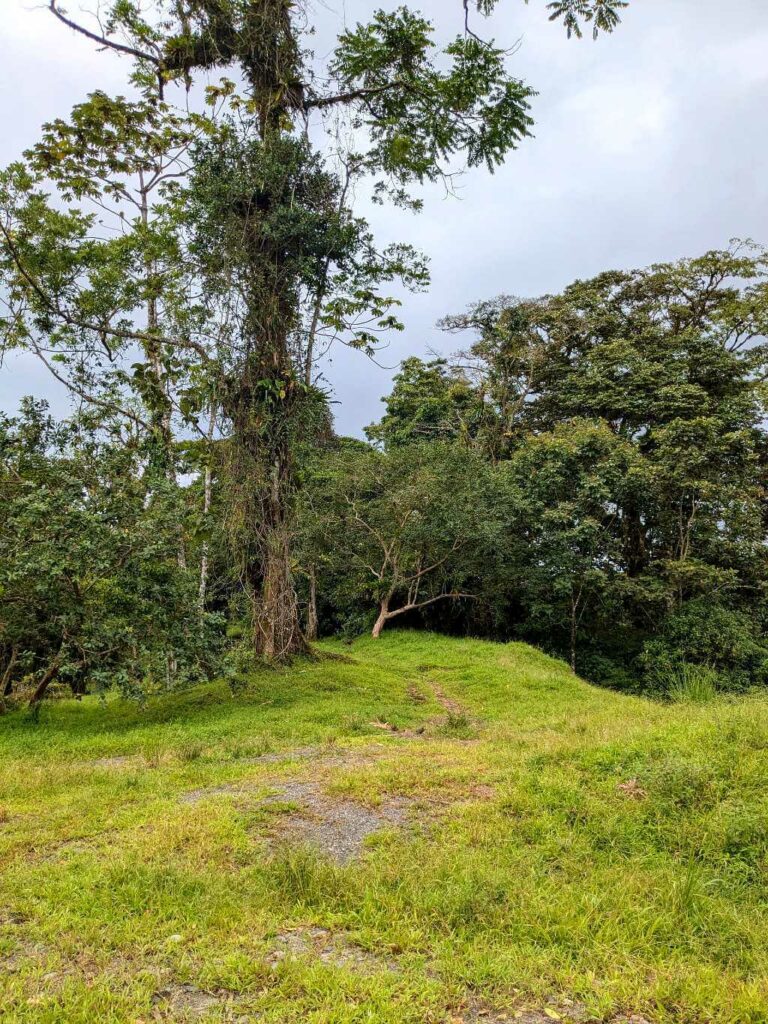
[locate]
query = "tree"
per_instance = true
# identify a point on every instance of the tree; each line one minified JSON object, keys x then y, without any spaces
{"x":275,"y":252}
{"x":569,"y":487}
{"x":91,"y":589}
{"x":403,"y":530}
{"x":672,"y":360}
{"x":503,"y":365}
{"x":78,"y":278}
{"x":429,"y":402}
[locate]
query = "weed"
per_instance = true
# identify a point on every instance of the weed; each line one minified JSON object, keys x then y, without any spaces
{"x":190,"y":751}
{"x":457,"y":725}
{"x":257,"y":746}
{"x":153,"y":753}
{"x":688,"y":892}
{"x":355,"y":724}
{"x":303,"y":878}
{"x":684,"y":783}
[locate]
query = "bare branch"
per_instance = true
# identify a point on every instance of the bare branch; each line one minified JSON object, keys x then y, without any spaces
{"x":86,"y":395}
{"x":431,"y":600}
{"x":345,"y":98}
{"x":102,"y":40}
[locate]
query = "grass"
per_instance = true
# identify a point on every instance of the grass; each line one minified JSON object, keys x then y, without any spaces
{"x":575,"y":846}
{"x":693,"y":684}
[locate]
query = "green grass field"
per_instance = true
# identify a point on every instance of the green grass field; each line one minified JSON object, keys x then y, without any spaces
{"x":558,"y":850}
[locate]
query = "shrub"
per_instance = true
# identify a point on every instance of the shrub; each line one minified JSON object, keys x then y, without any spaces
{"x":721,"y":642}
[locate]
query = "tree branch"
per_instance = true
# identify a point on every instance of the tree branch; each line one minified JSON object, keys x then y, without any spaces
{"x":431,"y":600}
{"x":343,"y":98}
{"x":102,"y":40}
{"x":431,"y":568}
{"x":87,"y":325}
{"x":87,"y":396}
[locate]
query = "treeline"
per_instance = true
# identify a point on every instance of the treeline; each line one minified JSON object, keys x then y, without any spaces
{"x":100,"y":562}
{"x":589,"y":475}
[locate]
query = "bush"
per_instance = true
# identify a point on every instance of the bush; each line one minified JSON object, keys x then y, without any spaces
{"x":721,"y":644}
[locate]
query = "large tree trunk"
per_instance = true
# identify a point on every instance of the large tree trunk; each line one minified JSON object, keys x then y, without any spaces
{"x":263,"y":481}
{"x":381,"y":621}
{"x":276,"y":624}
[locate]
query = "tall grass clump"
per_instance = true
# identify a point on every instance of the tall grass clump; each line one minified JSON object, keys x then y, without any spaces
{"x":692,"y":684}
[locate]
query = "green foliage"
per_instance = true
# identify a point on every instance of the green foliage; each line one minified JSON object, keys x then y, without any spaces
{"x":195,"y":265}
{"x":729,"y":642}
{"x":603,"y":15}
{"x":567,"y":487}
{"x":590,"y":474}
{"x":398,"y":531}
{"x":692,"y":684}
{"x":418,"y":117}
{"x":428,"y":402}
{"x":92,"y":591}
{"x":624,"y":421}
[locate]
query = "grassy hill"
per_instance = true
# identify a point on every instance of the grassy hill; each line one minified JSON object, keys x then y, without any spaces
{"x":410,"y":831}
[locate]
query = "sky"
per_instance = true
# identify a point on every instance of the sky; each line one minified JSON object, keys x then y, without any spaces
{"x":650,"y":145}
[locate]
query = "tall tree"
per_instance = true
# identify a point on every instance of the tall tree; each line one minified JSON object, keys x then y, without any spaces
{"x":429,"y":402}
{"x":402,"y":530}
{"x":272,"y":238}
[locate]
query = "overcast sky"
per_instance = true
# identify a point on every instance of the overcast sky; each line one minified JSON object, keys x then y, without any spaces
{"x":649,"y":145}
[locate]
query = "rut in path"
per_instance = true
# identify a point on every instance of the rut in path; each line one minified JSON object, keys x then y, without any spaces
{"x":453,"y":707}
{"x":416,"y":692}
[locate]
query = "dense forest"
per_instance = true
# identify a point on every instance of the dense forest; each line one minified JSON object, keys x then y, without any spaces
{"x":587,"y":472}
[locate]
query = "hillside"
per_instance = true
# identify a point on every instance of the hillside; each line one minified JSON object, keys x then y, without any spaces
{"x":406,"y":831}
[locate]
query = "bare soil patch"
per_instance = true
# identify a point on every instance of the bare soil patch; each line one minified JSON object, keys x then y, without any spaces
{"x":336,"y":828}
{"x":330,"y":757}
{"x":328,"y":948}
{"x":632,"y":790}
{"x":453,"y":707}
{"x":21,"y":955}
{"x":187,"y":1000}
{"x":570,"y":1013}
{"x":113,"y":762}
{"x":477,"y":1013}
{"x":298,"y":754}
{"x":402,"y":734}
{"x":195,"y":796}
